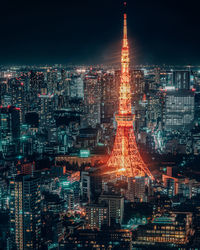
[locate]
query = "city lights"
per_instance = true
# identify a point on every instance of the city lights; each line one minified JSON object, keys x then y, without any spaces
{"x":99,"y":146}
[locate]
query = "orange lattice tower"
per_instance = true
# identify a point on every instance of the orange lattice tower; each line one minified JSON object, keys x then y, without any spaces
{"x":125,"y":158}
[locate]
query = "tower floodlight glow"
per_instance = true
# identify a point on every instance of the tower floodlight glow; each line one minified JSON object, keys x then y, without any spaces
{"x":125,"y":158}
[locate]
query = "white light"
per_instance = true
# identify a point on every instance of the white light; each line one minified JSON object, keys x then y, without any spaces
{"x":169,"y":88}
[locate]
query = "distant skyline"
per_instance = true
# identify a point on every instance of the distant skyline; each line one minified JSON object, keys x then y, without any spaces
{"x":77,"y":31}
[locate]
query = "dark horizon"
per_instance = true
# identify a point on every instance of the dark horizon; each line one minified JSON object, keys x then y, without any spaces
{"x":90,"y":32}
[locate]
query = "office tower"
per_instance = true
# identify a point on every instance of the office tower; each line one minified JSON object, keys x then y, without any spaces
{"x":9,"y":128}
{"x":3,"y":194}
{"x":92,"y":100}
{"x":137,"y":81}
{"x":63,"y":75}
{"x":125,"y":159}
{"x":85,"y":186}
{"x":178,"y":113}
{"x":109,"y":97}
{"x":3,"y":89}
{"x":96,"y":216}
{"x":136,"y":190}
{"x":141,"y":115}
{"x":115,"y":205}
{"x":181,"y":80}
{"x":76,"y":87}
{"x":70,"y":199}
{"x":6,"y":100}
{"x":36,"y":82}
{"x":26,"y":168}
{"x":46,"y":107}
{"x":166,"y":78}
{"x":65,"y":83}
{"x":17,"y":92}
{"x":154,"y":107}
{"x":25,"y":212}
{"x":10,"y":122}
{"x":25,"y":79}
{"x":52,"y":80}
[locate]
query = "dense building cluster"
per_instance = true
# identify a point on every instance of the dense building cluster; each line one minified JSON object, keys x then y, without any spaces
{"x":57,"y":129}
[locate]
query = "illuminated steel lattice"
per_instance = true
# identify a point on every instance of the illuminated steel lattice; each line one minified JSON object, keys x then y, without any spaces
{"x":125,"y":158}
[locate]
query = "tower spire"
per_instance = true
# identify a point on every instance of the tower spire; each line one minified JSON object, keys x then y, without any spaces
{"x":125,"y":40}
{"x":125,"y":157}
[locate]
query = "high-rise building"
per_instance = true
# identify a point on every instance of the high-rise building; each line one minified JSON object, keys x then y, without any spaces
{"x":96,"y":215}
{"x":76,"y":87}
{"x":52,"y":80}
{"x":46,"y":106}
{"x":25,"y":212}
{"x":181,"y":80}
{"x":115,"y":205}
{"x":166,"y":78}
{"x":9,"y":128}
{"x":3,"y":89}
{"x":136,"y":189}
{"x":154,"y":109}
{"x":137,"y":81}
{"x":109,"y":97}
{"x":85,"y":186}
{"x":26,"y":168}
{"x":63,"y":75}
{"x":178,"y":113}
{"x":10,"y":122}
{"x":36,"y":82}
{"x":92,"y":100}
{"x":17,"y":92}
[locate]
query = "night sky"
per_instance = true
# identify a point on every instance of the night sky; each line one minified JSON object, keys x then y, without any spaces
{"x":86,"y":31}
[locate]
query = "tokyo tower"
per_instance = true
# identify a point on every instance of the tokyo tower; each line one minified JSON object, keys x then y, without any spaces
{"x":125,"y":158}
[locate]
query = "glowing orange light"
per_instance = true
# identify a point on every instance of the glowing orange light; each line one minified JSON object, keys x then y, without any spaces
{"x":125,"y":157}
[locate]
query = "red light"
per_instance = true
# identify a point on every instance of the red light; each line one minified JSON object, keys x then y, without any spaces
{"x":125,"y":158}
{"x":22,"y":84}
{"x":193,"y":89}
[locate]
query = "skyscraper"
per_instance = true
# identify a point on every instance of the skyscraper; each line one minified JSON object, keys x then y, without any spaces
{"x":92,"y":100}
{"x":115,"y":204}
{"x":138,"y":82}
{"x":109,"y":97}
{"x":181,"y":79}
{"x":96,"y":215}
{"x":52,"y":79}
{"x":46,"y":104}
{"x":36,"y":82}
{"x":9,"y":129}
{"x":125,"y":158}
{"x":178,"y":110}
{"x":25,"y":212}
